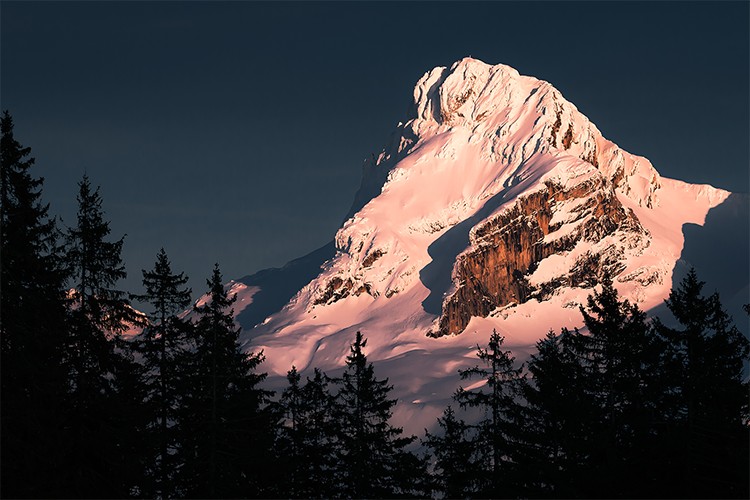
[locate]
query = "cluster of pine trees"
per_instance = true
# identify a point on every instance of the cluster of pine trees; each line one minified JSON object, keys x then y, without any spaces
{"x":634,"y":408}
{"x":177,"y":411}
{"x":87,"y":414}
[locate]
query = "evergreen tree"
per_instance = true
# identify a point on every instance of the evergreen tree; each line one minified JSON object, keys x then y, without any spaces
{"x":127,"y":418}
{"x":31,"y":343}
{"x":707,"y":403}
{"x":621,"y":361}
{"x":372,"y":459}
{"x":226,"y":430}
{"x":495,"y":431}
{"x":162,"y":345}
{"x":321,"y":435}
{"x":555,"y":433}
{"x":96,"y":266}
{"x":101,"y":370}
{"x":290,"y":444}
{"x":308,"y":437}
{"x":455,"y":468}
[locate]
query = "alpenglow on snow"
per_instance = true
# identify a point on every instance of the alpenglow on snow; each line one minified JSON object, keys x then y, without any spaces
{"x":496,"y":205}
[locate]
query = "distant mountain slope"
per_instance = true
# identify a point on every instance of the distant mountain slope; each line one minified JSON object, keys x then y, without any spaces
{"x":720,"y":251}
{"x":267,"y":291}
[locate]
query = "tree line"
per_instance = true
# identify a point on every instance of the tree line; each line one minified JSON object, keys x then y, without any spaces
{"x":633,"y":408}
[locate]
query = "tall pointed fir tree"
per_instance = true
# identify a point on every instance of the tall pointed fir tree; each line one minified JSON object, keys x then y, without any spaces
{"x":707,"y":399}
{"x":162,"y":346}
{"x":453,"y":455}
{"x":104,"y":422}
{"x":498,"y":402}
{"x":621,"y":362}
{"x":225,"y":426}
{"x":290,"y":442}
{"x":372,"y":461}
{"x":554,"y":434}
{"x":32,"y":325}
{"x":307,"y":437}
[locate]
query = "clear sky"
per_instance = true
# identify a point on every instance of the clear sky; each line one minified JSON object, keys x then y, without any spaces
{"x":235,"y":131}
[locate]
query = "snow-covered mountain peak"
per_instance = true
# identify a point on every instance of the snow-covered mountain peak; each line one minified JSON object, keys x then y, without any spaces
{"x":497,"y":205}
{"x":481,"y":137}
{"x":467,"y":93}
{"x":499,"y":107}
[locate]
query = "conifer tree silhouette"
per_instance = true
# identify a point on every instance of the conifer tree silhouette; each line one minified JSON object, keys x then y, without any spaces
{"x":707,"y":403}
{"x":105,"y":421}
{"x":621,"y":361}
{"x":308,"y":437}
{"x":455,"y":462}
{"x":498,"y":402}
{"x":372,"y":458}
{"x":162,"y":346}
{"x":225,"y":428}
{"x":552,"y":452}
{"x":32,"y":326}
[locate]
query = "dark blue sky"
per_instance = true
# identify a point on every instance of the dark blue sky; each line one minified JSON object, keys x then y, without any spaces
{"x":235,"y":132}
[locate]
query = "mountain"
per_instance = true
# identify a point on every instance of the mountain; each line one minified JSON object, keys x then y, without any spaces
{"x":496,"y":205}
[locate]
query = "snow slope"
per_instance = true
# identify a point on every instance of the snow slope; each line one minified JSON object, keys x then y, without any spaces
{"x":481,"y":139}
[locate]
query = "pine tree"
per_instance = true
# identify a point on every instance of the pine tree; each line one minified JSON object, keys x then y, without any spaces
{"x":96,"y":266}
{"x":102,"y":372}
{"x":455,"y":468}
{"x":225,"y":429}
{"x":707,"y":405}
{"x":621,"y":361}
{"x":372,"y":459}
{"x":307,"y":439}
{"x":32,"y":325}
{"x":290,"y":444}
{"x":161,"y":346}
{"x":554,"y":433}
{"x":99,"y":311}
{"x":498,"y":402}
{"x":127,"y":418}
{"x":321,"y":435}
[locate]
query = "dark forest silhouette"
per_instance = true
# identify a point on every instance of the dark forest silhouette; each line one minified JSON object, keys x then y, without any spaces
{"x":633,"y":408}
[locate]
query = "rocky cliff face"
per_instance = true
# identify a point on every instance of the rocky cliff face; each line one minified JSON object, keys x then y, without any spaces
{"x":506,"y":249}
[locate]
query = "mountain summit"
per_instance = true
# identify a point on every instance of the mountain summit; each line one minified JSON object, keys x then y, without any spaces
{"x":496,"y":205}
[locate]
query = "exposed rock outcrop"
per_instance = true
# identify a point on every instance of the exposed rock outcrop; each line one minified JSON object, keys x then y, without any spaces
{"x":506,"y":249}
